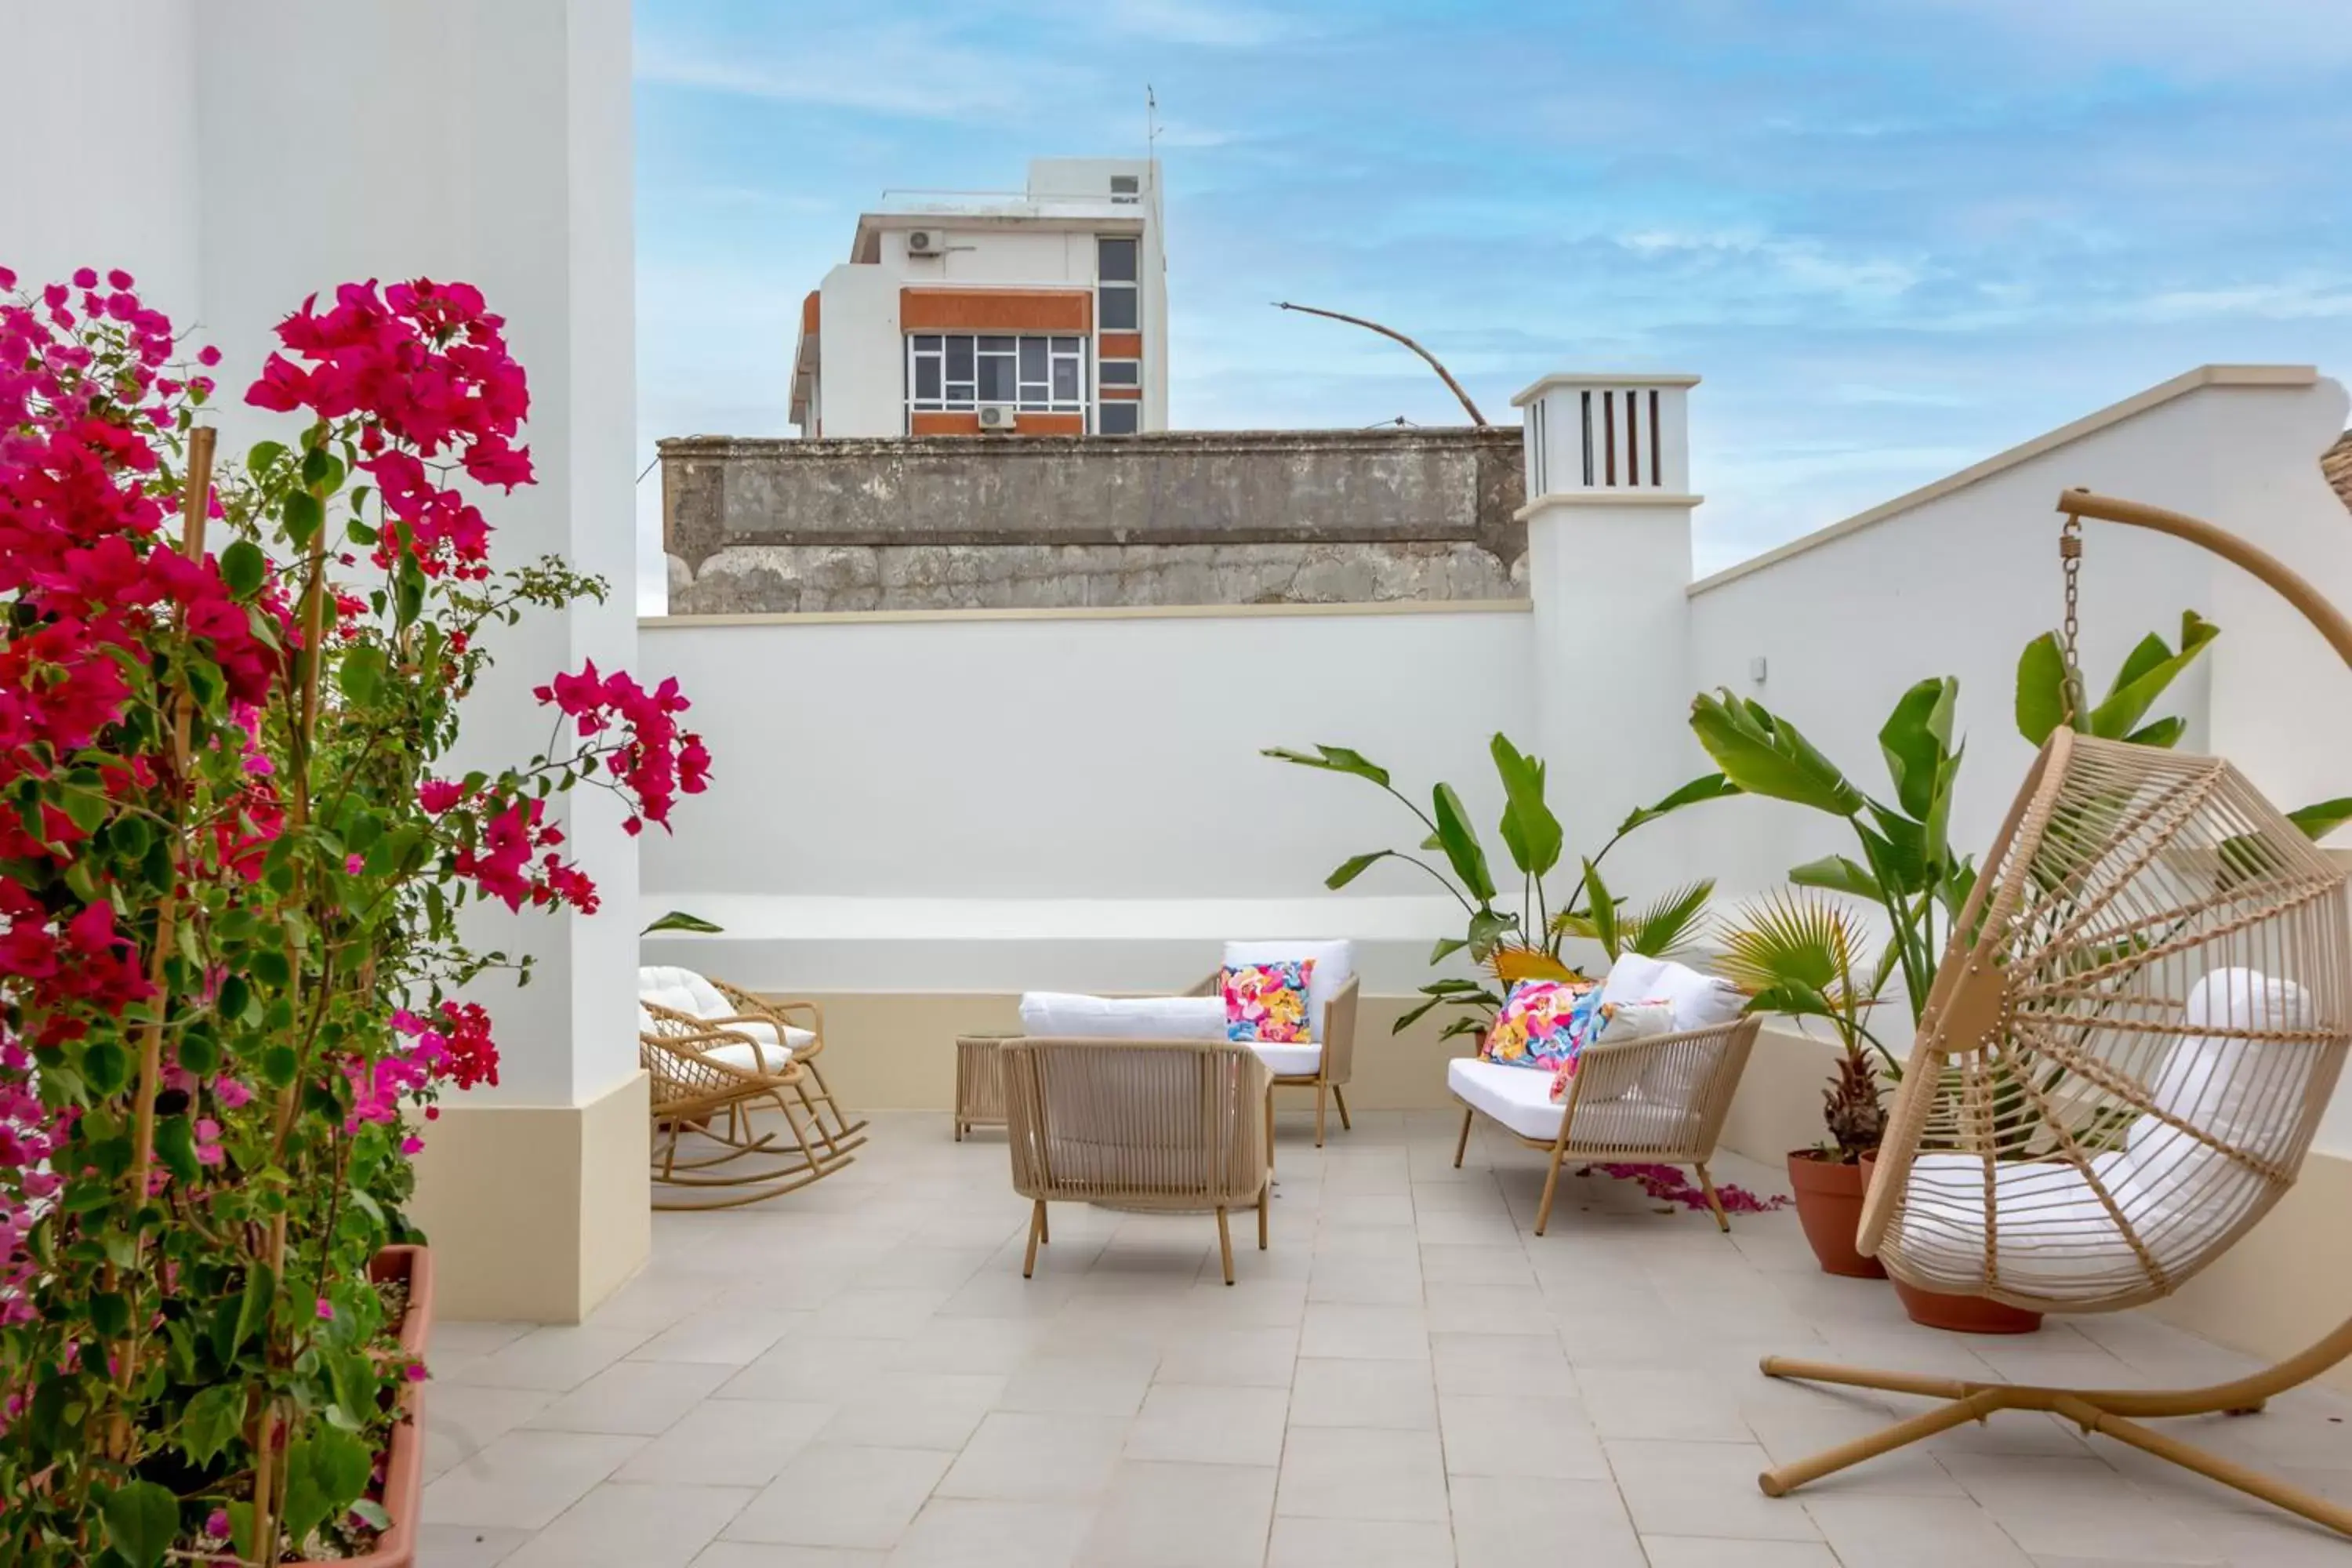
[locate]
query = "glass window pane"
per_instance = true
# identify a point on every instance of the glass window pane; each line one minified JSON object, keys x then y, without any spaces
{"x":1068,"y":345}
{"x":926,"y":343}
{"x":1120,"y":372}
{"x":1119,"y":309}
{"x":1118,"y":418}
{"x":1066,"y":381}
{"x":996,"y":345}
{"x":959,"y":395}
{"x":959,"y":359}
{"x":996,"y":378}
{"x":1115,"y":261}
{"x":927,"y":379}
{"x":1033,"y":359}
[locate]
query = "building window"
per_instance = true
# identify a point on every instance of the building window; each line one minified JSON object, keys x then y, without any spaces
{"x":1117,"y":307}
{"x":961,"y":371}
{"x":1120,"y":418}
{"x":1120,"y":372}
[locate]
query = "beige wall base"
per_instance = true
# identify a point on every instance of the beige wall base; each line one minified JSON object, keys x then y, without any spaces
{"x":1779,"y":1106}
{"x":536,"y":1214}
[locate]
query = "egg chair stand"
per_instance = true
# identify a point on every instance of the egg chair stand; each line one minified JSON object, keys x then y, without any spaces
{"x":1983,"y":1004}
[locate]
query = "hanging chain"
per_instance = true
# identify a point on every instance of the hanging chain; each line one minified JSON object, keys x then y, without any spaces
{"x":2070,"y":561}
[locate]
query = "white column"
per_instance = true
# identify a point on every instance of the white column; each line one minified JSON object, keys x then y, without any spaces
{"x":271,"y":148}
{"x":1608,"y":556}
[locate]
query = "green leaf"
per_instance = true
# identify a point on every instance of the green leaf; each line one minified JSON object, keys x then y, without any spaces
{"x":2041,"y":687}
{"x":1354,"y":867}
{"x":109,"y":1314}
{"x":261,"y":456}
{"x":2163,"y":732}
{"x":360,"y":673}
{"x":85,"y":811}
{"x":1838,"y":875}
{"x":326,"y":1472}
{"x":252,"y":1307}
{"x":1486,"y":929}
{"x":355,"y":1384}
{"x":1767,"y":756}
{"x":1448,"y":946}
{"x":304,"y":518}
{"x":1916,"y":741}
{"x":1463,"y":850}
{"x":2322,"y":818}
{"x":1667,"y":926}
{"x":1332,"y":759}
{"x":106,"y":1067}
{"x":1601,"y":913}
{"x":678,"y":919}
{"x":142,"y":1519}
{"x":243,"y":568}
{"x":1530,"y":830}
{"x":175,"y":1145}
{"x":212,"y":1417}
{"x":2151,"y":668}
{"x":1706,"y":787}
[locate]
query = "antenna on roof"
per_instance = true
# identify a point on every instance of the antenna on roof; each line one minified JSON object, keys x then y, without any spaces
{"x":1150,"y":124}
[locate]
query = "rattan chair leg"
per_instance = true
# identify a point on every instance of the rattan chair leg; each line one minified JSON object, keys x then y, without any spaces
{"x":1264,"y":1201}
{"x":1462,"y":1144}
{"x":1707,"y":1185}
{"x":1044,"y":1226}
{"x":1552,"y":1186}
{"x":1269,"y":1126}
{"x":1036,"y":1229}
{"x":1340,"y":1098}
{"x":1225,"y":1244}
{"x":1321,"y":1088}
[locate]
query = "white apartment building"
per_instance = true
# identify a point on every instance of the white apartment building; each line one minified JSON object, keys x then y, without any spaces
{"x":1042,"y":311}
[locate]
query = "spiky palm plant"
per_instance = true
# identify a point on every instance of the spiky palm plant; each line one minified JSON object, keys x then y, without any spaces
{"x":1804,"y":954}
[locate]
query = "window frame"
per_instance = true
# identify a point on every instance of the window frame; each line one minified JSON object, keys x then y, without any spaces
{"x":986,"y":356}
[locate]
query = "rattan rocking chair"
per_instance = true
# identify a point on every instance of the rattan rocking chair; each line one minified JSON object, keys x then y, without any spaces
{"x":706,"y":1081}
{"x":795,"y":1025}
{"x":2143,"y":1011}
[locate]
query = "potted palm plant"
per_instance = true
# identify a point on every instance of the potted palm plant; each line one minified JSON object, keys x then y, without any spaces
{"x":1805,"y":955}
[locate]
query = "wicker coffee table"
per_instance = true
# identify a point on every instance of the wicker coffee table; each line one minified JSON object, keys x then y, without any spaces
{"x":980,"y":1080}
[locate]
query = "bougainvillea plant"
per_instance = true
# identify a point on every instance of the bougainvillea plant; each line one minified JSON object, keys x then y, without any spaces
{"x":233,"y":855}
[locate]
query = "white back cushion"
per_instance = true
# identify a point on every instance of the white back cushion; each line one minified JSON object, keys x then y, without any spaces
{"x":1056,"y":1015}
{"x":2246,"y":1092}
{"x":662,"y":982}
{"x":1700,"y":1001}
{"x":1335,"y":964}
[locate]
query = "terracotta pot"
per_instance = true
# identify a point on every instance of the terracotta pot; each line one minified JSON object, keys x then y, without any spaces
{"x":1829,"y":1206}
{"x":1957,"y":1314}
{"x":403,"y":1478}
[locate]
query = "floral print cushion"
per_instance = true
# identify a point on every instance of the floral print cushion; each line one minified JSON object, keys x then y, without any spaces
{"x":1542,"y":1024}
{"x":1609,"y":1023}
{"x":1266,"y":1004}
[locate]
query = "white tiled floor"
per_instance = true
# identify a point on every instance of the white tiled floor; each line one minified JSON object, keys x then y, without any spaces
{"x":857,"y":1375}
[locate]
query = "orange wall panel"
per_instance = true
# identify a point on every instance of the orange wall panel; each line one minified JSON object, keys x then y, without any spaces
{"x":1122,"y":394}
{"x":937,"y":423}
{"x":1120,"y":345}
{"x":996,"y":309}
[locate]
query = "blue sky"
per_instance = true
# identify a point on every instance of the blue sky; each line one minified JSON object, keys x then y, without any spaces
{"x":1894,"y":236}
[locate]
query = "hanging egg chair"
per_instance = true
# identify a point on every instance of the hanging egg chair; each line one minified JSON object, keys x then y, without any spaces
{"x":2142,"y":1011}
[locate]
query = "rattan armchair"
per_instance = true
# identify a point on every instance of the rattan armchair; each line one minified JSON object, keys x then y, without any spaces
{"x":707,"y":1080}
{"x":1171,"y":1125}
{"x":1659,"y":1100}
{"x":1335,"y":1061}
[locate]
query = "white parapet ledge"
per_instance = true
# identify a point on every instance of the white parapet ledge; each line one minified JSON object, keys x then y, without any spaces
{"x":1096,"y":612}
{"x":1603,"y":378}
{"x":1601,"y":499}
{"x":2204,"y":375}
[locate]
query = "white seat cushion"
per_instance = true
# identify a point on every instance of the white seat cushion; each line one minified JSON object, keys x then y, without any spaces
{"x":1285,"y":1061}
{"x":1334,"y":965}
{"x":1521,"y":1100}
{"x":751,"y":1059}
{"x":1057,"y":1015}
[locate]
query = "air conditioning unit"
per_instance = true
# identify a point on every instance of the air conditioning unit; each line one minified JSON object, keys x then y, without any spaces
{"x":997,"y":416}
{"x":926,"y":242}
